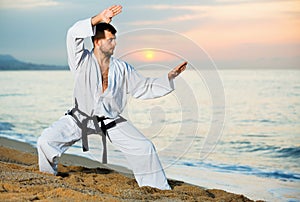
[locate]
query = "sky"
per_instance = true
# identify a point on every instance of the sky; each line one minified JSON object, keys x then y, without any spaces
{"x":232,"y":33}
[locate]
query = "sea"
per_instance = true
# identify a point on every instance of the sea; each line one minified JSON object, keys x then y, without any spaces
{"x":236,"y":130}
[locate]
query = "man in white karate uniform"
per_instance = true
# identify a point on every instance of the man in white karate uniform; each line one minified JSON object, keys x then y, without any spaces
{"x":102,"y":83}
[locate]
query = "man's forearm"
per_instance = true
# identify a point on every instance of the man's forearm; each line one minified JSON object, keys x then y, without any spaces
{"x":96,"y":19}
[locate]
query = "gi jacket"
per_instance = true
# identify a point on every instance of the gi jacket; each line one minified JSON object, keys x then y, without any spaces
{"x":123,"y":79}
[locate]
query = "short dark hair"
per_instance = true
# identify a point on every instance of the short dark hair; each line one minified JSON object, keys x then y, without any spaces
{"x":100,"y":30}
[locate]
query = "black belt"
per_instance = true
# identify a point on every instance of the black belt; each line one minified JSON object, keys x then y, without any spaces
{"x":96,"y":119}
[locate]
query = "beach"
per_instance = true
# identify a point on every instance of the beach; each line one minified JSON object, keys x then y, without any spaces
{"x":82,"y":179}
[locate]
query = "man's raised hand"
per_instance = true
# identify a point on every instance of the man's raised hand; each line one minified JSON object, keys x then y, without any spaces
{"x":107,"y":14}
{"x":110,"y":12}
{"x":177,"y":70}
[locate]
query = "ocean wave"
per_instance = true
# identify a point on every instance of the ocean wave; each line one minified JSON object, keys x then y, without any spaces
{"x":272,"y":150}
{"x":288,"y":152}
{"x":12,"y":94}
{"x":6,"y":126}
{"x":280,"y":175}
{"x":245,"y":169}
{"x":249,"y":147}
{"x":257,"y":121}
{"x":276,"y":151}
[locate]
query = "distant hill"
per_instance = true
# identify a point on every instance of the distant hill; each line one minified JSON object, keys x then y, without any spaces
{"x":8,"y":62}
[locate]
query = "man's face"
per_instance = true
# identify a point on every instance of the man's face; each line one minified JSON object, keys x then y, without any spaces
{"x":108,"y":44}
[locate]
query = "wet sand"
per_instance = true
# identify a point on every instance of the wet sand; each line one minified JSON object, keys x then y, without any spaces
{"x":82,"y":179}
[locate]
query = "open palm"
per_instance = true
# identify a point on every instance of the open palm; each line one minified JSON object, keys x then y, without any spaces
{"x":110,"y":12}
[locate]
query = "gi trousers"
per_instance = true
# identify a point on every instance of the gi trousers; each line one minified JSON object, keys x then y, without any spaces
{"x":138,"y":150}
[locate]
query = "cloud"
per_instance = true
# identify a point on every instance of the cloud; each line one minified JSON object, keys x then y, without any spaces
{"x":273,"y":19}
{"x":27,"y":4}
{"x":176,"y":19}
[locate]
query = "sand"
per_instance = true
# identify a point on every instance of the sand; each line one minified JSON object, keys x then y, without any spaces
{"x":82,"y":179}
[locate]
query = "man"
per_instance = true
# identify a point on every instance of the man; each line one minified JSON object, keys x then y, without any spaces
{"x":102,"y":83}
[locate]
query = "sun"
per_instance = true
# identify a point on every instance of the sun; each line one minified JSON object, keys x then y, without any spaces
{"x":149,"y":54}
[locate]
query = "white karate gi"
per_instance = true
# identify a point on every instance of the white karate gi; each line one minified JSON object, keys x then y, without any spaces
{"x":123,"y":79}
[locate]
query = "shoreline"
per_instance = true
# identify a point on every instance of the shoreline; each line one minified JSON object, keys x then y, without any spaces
{"x":83,"y":179}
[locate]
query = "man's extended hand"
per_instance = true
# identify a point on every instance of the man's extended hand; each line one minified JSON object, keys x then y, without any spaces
{"x":107,"y":14}
{"x":177,"y":70}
